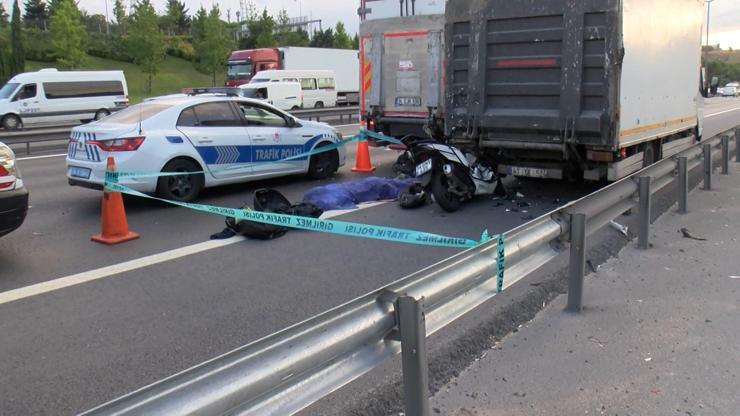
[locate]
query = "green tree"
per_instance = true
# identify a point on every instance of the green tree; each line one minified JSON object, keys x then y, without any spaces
{"x":356,"y":42}
{"x":17,"y":54}
{"x":4,"y":58}
{"x":341,"y":38}
{"x":119,"y":11}
{"x":285,"y":35}
{"x":199,"y":22}
{"x":176,"y":19}
{"x":265,"y":31}
{"x":54,"y":4}
{"x":145,"y":43}
{"x":214,"y":47}
{"x":68,"y":36}
{"x":323,"y":39}
{"x":3,"y":16}
{"x":36,"y":15}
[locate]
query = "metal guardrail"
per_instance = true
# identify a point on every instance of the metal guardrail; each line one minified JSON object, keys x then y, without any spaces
{"x":40,"y":135}
{"x":289,"y":370}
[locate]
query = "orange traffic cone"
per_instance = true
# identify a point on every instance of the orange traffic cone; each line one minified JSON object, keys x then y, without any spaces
{"x":362,"y":159}
{"x":113,"y":216}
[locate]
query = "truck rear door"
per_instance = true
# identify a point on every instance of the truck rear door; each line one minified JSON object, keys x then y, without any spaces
{"x":542,"y":71}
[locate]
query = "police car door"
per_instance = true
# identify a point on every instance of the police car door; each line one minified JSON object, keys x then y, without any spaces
{"x":272,"y":141}
{"x":218,"y":134}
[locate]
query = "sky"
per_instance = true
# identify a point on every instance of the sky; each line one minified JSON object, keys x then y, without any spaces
{"x":724,"y":26}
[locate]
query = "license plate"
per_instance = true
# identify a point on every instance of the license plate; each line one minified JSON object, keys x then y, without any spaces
{"x":528,"y":172}
{"x":78,"y":172}
{"x":408,"y":101}
{"x":423,"y":167}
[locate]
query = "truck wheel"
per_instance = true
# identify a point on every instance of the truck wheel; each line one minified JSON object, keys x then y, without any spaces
{"x":295,"y":107}
{"x":181,"y":188}
{"x":319,"y":104}
{"x":323,"y":165}
{"x":12,"y":122}
{"x":445,"y":199}
{"x":649,"y":154}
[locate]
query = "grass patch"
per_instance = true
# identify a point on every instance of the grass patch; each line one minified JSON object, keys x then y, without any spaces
{"x":174,"y":74}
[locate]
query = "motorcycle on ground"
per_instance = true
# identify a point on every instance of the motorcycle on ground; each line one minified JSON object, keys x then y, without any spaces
{"x":444,"y":171}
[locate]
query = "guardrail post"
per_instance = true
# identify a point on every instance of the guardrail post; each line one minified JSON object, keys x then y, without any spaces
{"x":737,"y":145}
{"x":28,"y":148}
{"x":643,"y":238}
{"x":577,"y":267}
{"x":707,"y":167}
{"x":725,"y":155}
{"x":411,"y":325}
{"x":683,"y":185}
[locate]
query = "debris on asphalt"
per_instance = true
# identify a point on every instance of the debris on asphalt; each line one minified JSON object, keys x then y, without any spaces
{"x":591,"y":265}
{"x":519,"y":195}
{"x":623,"y":229}
{"x":648,"y":359}
{"x":734,"y":277}
{"x":687,"y":234}
{"x":524,"y":204}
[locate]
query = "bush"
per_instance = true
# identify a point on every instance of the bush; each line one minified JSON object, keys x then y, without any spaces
{"x":181,"y":47}
{"x":107,"y":47}
{"x":37,"y":45}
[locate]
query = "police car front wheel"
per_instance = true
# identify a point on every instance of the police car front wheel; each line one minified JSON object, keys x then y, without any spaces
{"x":323,"y":165}
{"x":182,"y":188}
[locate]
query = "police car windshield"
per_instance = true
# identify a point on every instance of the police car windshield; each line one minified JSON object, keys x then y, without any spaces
{"x":137,"y":113}
{"x":7,"y":90}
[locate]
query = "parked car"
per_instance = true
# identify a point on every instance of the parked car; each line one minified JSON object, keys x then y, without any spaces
{"x":226,"y":139}
{"x":283,"y":95}
{"x":13,"y":195}
{"x":51,"y":96}
{"x":319,"y":86}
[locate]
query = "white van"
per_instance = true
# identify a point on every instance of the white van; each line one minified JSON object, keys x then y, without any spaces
{"x":50,"y":96}
{"x":319,"y":86}
{"x":283,"y":95}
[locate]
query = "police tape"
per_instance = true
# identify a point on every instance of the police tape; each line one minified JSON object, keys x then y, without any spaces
{"x":362,"y":135}
{"x":345,"y":228}
{"x":314,"y":151}
{"x":500,"y":263}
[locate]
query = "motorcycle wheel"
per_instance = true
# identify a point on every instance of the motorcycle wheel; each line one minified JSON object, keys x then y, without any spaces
{"x":440,"y":189}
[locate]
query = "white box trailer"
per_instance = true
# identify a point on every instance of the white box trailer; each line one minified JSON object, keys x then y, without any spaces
{"x":344,"y":62}
{"x":595,"y":89}
{"x":402,"y":51}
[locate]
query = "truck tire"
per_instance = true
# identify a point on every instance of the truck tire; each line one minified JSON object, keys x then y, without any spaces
{"x":319,"y":104}
{"x":649,"y":154}
{"x":446,"y":200}
{"x":183,"y":188}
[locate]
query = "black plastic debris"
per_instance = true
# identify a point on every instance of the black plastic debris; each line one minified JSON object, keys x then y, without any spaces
{"x":272,"y":201}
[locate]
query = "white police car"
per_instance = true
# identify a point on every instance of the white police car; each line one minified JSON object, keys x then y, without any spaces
{"x":230,"y":139}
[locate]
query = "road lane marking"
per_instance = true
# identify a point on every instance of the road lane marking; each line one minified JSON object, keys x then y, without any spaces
{"x":721,"y":112}
{"x":41,"y":157}
{"x":127,"y":266}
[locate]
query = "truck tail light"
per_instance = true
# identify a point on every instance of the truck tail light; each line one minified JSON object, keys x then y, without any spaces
{"x":623,"y":153}
{"x":119,"y":145}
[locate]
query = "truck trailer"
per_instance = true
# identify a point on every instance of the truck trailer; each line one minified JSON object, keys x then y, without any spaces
{"x":244,"y":64}
{"x":401,"y":56}
{"x":573,"y":89}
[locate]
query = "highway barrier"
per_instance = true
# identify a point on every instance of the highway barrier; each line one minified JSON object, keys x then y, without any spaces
{"x":289,"y":370}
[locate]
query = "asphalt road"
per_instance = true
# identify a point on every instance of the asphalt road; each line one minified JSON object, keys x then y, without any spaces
{"x":67,"y":350}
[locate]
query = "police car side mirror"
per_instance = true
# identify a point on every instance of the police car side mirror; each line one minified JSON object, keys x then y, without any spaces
{"x":292,"y":123}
